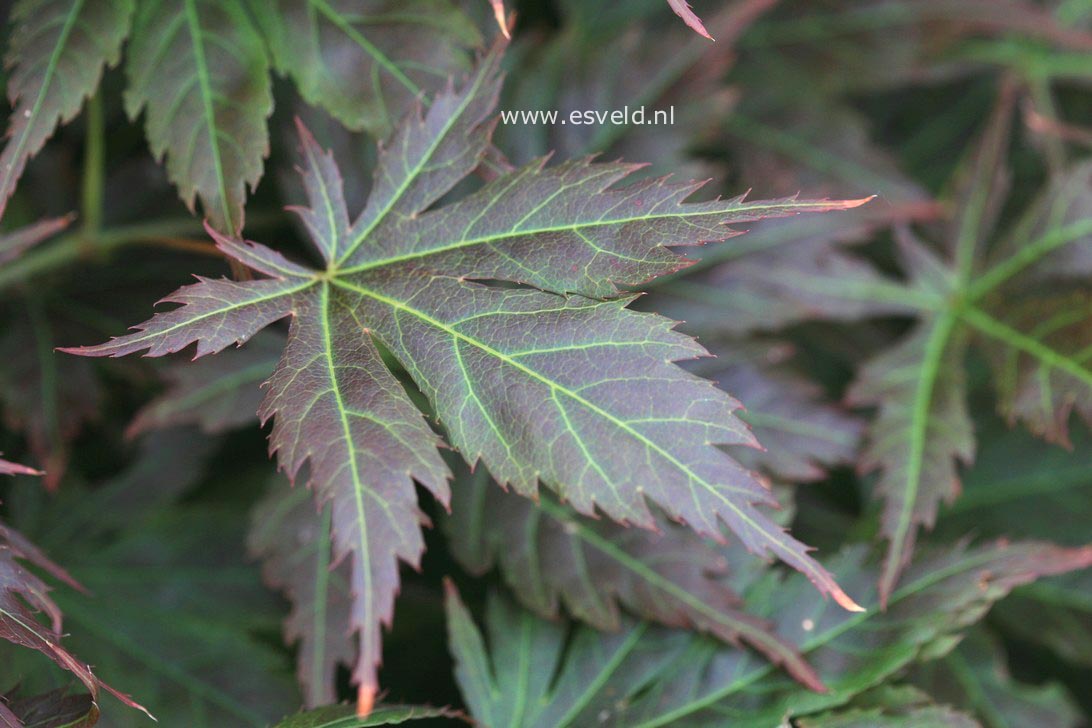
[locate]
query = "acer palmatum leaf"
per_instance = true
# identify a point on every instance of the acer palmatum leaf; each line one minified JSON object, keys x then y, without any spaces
{"x":22,"y":596}
{"x":551,"y":556}
{"x":575,"y":391}
{"x":366,"y":62}
{"x":199,"y":71}
{"x":58,"y":51}
{"x":648,"y":676}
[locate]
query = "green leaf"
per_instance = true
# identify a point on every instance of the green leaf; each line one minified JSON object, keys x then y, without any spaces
{"x":366,"y":62}
{"x":198,"y":68}
{"x":174,"y":612}
{"x":58,"y":51}
{"x":1022,"y":485}
{"x":575,"y":391}
{"x":343,"y":716}
{"x":549,"y":555}
{"x":644,"y":676}
{"x":975,"y":676}
{"x":920,"y":433}
{"x":892,"y":707}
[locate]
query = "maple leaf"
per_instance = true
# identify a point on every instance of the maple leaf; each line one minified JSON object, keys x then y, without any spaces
{"x":295,"y":544}
{"x":23,"y":595}
{"x":548,"y":555}
{"x":342,"y":716}
{"x":648,"y":676}
{"x":975,"y":676}
{"x":366,"y":62}
{"x":58,"y":51}
{"x":199,"y":70}
{"x":554,"y":380}
{"x":173,"y":605}
{"x":960,"y":292}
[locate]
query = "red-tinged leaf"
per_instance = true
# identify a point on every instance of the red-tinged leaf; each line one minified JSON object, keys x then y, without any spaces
{"x":22,"y":548}
{"x":575,"y":391}
{"x":10,"y":468}
{"x":683,"y":10}
{"x":199,"y":71}
{"x":295,"y":542}
{"x":22,"y":595}
{"x":366,"y":62}
{"x":15,"y":243}
{"x":550,"y":556}
{"x":58,"y":51}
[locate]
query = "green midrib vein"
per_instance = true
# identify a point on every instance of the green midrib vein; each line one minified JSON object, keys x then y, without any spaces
{"x":366,"y":595}
{"x":412,"y":174}
{"x":204,"y":84}
{"x":762,"y":209}
{"x":919,"y":423}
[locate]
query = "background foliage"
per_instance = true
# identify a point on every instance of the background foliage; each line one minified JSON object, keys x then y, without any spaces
{"x":918,"y":369}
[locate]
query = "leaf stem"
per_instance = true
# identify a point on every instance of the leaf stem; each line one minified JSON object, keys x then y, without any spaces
{"x":94,"y":168}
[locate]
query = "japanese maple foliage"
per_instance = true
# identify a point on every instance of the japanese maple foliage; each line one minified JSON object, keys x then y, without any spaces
{"x":569,"y":438}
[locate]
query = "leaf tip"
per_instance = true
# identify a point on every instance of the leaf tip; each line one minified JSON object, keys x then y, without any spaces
{"x":365,"y":700}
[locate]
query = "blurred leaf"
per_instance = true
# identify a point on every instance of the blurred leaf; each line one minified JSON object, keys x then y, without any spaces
{"x":172,"y":609}
{"x":366,"y":62}
{"x":974,"y":676}
{"x":647,"y":676}
{"x":217,"y":394}
{"x":550,"y":555}
{"x":54,"y":709}
{"x":294,"y":541}
{"x":338,"y":716}
{"x":17,"y":242}
{"x":58,"y":51}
